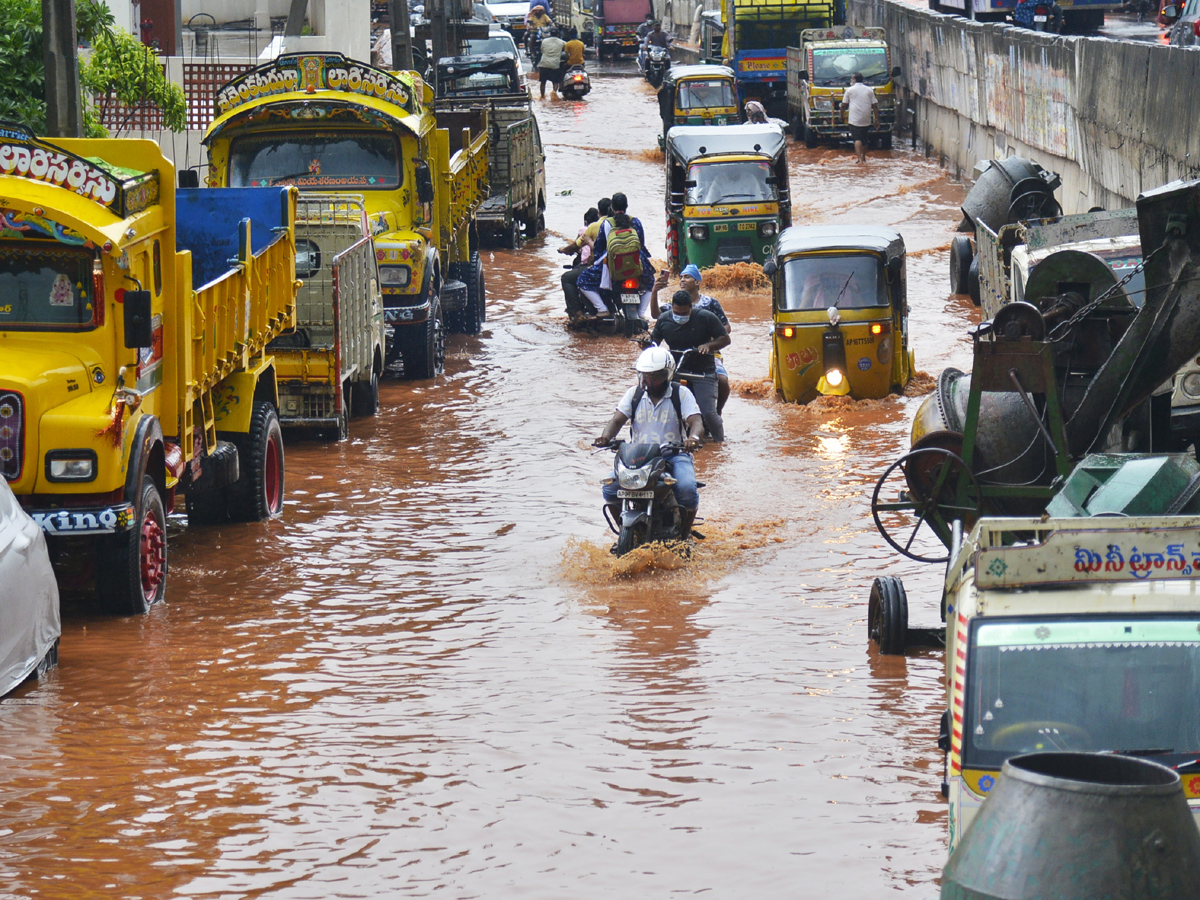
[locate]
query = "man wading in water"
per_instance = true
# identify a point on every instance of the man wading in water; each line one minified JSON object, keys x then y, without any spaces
{"x":862,"y":113}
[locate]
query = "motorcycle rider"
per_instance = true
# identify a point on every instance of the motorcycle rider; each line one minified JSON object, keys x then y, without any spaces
{"x":656,"y":38}
{"x":701,"y":331}
{"x":535,"y":20}
{"x":581,"y":247}
{"x":597,"y":277}
{"x":689,"y":280}
{"x":667,"y":413}
{"x":646,"y":27}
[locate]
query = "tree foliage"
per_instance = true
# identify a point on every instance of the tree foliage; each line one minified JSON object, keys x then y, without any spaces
{"x":119,"y":70}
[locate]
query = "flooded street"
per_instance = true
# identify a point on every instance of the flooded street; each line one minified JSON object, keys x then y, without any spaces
{"x":429,"y":678}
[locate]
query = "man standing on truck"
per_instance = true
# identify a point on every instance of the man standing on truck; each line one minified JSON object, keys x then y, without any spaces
{"x":549,"y":63}
{"x":862,"y":114}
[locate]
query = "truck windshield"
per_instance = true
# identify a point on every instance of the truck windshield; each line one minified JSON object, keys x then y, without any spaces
{"x":847,"y":281}
{"x":362,"y":160}
{"x":744,"y":181}
{"x":704,"y":95}
{"x":45,"y":288}
{"x":1120,"y":684}
{"x":836,"y":66}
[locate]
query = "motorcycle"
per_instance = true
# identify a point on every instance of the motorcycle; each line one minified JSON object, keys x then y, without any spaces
{"x":576,"y":84}
{"x":533,"y":46}
{"x":649,"y":511}
{"x":655,"y":62}
{"x":625,"y":312}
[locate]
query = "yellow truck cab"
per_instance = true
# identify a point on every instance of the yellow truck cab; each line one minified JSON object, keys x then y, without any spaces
{"x":122,"y":383}
{"x":328,"y":124}
{"x":840,"y":305}
{"x":820,"y":70}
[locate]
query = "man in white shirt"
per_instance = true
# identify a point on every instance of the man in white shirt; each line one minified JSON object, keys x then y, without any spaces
{"x":862,"y":113}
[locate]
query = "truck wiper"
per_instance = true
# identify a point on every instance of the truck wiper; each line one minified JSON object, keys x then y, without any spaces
{"x":1152,"y":751}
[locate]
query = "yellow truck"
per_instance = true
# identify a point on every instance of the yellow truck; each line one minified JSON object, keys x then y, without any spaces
{"x":820,"y":70}
{"x":328,"y":124}
{"x":121,"y":384}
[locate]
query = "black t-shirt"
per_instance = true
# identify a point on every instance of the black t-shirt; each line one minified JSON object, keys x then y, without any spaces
{"x":701,"y":328}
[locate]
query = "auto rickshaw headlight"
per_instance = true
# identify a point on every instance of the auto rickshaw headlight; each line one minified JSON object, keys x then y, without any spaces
{"x":834,"y":377}
{"x":768,"y":229}
{"x":698,"y":232}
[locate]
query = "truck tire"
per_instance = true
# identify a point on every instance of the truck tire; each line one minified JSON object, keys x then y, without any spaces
{"x":364,"y":396}
{"x":960,"y":261}
{"x":886,"y":141}
{"x":258,"y":492}
{"x":470,"y":319}
{"x":423,"y":347}
{"x":810,"y":138}
{"x":887,"y":615}
{"x":206,"y":496}
{"x":512,"y":239}
{"x":973,"y":282}
{"x":131,"y":567}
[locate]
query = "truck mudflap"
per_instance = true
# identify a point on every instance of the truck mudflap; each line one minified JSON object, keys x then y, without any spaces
{"x":454,"y":296}
{"x":88,"y":520}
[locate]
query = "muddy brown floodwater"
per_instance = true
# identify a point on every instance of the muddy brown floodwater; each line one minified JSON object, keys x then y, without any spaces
{"x":428,"y":678}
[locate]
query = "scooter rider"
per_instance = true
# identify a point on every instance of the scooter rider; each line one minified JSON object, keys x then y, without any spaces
{"x":701,"y":331}
{"x":666,"y":413}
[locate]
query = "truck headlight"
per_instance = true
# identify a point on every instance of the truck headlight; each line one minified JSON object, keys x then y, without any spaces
{"x":71,"y":465}
{"x":308,"y":259}
{"x":1191,"y":384}
{"x":395,"y":276}
{"x":767,"y":229}
{"x":823,"y":104}
{"x":698,"y":232}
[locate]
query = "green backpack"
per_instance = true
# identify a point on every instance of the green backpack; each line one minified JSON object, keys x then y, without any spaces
{"x":624,"y":255}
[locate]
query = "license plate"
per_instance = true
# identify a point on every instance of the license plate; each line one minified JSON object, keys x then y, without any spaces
{"x":636,"y":495}
{"x":1039,"y":18}
{"x":747,"y":226}
{"x":631,"y":299}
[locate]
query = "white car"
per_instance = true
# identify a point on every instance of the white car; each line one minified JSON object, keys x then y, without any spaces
{"x":29,"y":622}
{"x":497,"y":42}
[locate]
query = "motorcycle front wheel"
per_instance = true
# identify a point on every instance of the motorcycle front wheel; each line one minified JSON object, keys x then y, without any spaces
{"x":631,"y":536}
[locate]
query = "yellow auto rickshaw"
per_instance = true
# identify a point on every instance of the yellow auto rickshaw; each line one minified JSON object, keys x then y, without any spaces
{"x":698,"y":95}
{"x":840,"y":312}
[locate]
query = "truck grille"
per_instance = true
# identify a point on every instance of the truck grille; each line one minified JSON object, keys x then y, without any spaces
{"x":12,"y":434}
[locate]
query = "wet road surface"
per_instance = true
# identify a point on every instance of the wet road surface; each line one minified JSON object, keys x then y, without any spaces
{"x":429,"y":678}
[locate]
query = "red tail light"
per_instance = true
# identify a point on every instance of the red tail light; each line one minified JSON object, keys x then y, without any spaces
{"x":630,"y":284}
{"x":1196,"y":28}
{"x":1041,"y":11}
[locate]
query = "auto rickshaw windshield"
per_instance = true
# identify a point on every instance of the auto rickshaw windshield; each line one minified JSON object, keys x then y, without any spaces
{"x":848,"y":281}
{"x":835,"y":67}
{"x":713,"y":94}
{"x":741,"y":181}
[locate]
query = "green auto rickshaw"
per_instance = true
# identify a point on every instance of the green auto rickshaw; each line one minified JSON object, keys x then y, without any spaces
{"x":698,"y":95}
{"x":727,"y":193}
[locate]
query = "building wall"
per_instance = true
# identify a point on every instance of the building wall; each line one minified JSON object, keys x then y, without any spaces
{"x":1113,"y":118}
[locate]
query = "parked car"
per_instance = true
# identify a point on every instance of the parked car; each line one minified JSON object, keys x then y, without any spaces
{"x":29,"y":623}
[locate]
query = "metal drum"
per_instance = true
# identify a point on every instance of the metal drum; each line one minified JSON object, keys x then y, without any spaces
{"x":1079,"y":826}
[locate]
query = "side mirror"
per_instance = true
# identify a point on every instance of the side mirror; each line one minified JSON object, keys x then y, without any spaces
{"x":771,"y":179}
{"x":138,"y":332}
{"x":895,"y":71}
{"x":689,"y":184}
{"x":189,"y":178}
{"x":770,"y":267}
{"x":424,"y":183}
{"x":1170,"y":12}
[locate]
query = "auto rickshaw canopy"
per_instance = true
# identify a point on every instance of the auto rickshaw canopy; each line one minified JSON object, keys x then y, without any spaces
{"x":686,"y":143}
{"x":813,"y":238}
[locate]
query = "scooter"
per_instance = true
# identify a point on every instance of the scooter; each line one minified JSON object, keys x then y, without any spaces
{"x":649,"y":511}
{"x":657,"y":61}
{"x":576,"y":84}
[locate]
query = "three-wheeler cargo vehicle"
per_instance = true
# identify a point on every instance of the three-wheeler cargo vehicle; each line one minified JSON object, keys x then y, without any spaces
{"x":698,"y":95}
{"x":329,"y":124}
{"x":756,"y":36}
{"x":820,"y":70}
{"x":328,"y":367}
{"x":516,"y":206}
{"x":840,"y":307}
{"x":728,"y":194}
{"x":134,"y":324}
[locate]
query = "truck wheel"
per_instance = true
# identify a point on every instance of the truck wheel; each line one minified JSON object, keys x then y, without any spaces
{"x":973,"y":282}
{"x":887,"y":615}
{"x":886,"y":141}
{"x":512,"y":240}
{"x":477,"y":290}
{"x":364,"y":396}
{"x":960,"y":260}
{"x":131,"y":570}
{"x":810,"y":138}
{"x":423,"y":348}
{"x":258,"y":492}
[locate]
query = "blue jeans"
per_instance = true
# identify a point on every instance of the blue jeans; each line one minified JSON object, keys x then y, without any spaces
{"x":682,"y":470}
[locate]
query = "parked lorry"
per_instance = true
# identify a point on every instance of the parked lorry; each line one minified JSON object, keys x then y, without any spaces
{"x":757,"y":35}
{"x":616,"y":23}
{"x":1079,"y":16}
{"x":134,"y":324}
{"x":516,"y":204}
{"x":328,"y":367}
{"x":820,"y":70}
{"x":576,"y":14}
{"x":326,"y":123}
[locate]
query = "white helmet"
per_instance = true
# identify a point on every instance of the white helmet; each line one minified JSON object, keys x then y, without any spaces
{"x":656,"y":358}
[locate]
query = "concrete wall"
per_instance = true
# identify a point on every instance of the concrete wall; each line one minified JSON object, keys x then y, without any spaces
{"x":1113,"y":118}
